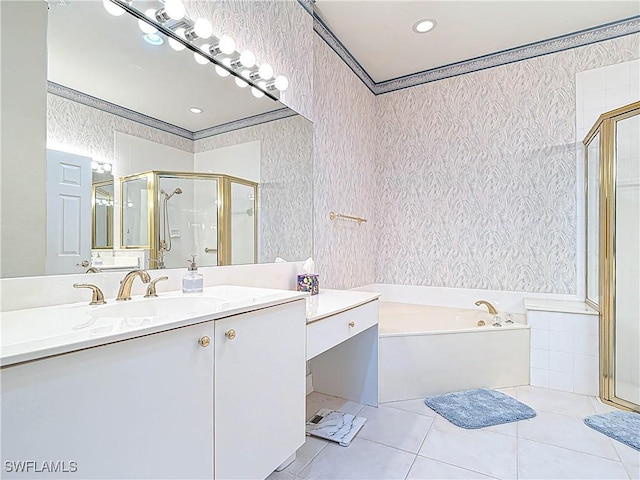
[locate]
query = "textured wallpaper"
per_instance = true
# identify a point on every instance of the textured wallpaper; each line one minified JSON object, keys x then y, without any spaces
{"x":77,"y":128}
{"x":344,"y":177}
{"x":279,"y":32}
{"x":476,"y":175}
{"x":286,"y":184}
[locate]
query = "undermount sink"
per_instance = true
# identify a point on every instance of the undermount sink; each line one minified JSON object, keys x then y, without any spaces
{"x":160,"y":307}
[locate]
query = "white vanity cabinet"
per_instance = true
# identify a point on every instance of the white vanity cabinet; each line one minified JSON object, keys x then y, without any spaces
{"x":165,"y":405}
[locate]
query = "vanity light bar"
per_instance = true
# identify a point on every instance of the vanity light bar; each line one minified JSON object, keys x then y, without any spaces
{"x":172,"y":21}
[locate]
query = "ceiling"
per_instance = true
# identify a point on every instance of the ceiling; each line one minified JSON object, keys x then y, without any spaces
{"x":379,"y":33}
{"x":104,"y":56}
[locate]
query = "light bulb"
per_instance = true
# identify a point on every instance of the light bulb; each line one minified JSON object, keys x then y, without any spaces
{"x":107,"y":167}
{"x":200,"y":58}
{"x":176,"y":45}
{"x":175,"y":9}
{"x":221,"y":71}
{"x":227,"y":45}
{"x":144,"y":26}
{"x":256,"y":92}
{"x":241,"y":83}
{"x":95,"y":165}
{"x":203,"y":28}
{"x":247,"y":59}
{"x":281,"y":83}
{"x":265,"y":71}
{"x":112,"y":8}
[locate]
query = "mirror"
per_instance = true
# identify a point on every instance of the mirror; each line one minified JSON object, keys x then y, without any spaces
{"x":128,"y":102}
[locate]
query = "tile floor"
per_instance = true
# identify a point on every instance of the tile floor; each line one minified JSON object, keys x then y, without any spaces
{"x":407,"y":440}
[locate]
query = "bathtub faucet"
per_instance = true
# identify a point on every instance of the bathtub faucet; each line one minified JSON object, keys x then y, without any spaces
{"x":492,"y":309}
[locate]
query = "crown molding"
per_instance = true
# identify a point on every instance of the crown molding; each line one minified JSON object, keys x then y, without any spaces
{"x":577,"y":39}
{"x":108,"y":107}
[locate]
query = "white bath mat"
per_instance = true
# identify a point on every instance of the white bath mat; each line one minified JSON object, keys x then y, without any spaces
{"x":336,"y":426}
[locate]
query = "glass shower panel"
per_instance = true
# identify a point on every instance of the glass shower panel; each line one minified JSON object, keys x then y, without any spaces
{"x":188,"y":220}
{"x":135,"y":213}
{"x":243,"y":224}
{"x":593,"y":220}
{"x":627,"y":258}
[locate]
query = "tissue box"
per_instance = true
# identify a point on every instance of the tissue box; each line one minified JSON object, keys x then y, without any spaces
{"x":308,"y":283}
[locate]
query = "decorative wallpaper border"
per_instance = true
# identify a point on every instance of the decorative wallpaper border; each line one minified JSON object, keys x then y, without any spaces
{"x":97,"y":103}
{"x":580,"y":38}
{"x":245,"y":122}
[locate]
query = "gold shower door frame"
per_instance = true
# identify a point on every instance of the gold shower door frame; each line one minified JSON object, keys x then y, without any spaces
{"x":606,"y":127}
{"x":224,"y":210}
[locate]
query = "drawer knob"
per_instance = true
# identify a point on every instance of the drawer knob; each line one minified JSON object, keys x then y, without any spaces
{"x":204,"y":341}
{"x":231,"y":334}
{"x":352,"y":324}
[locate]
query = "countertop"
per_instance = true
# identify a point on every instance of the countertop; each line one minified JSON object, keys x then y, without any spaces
{"x":329,"y":302}
{"x":35,"y":333}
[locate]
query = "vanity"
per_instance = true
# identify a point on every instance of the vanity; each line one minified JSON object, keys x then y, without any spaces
{"x":154,"y":388}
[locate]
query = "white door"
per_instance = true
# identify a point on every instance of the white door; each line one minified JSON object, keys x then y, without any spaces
{"x":68,"y":213}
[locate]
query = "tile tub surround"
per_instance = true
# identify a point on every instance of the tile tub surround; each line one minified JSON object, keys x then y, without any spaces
{"x":407,"y":440}
{"x":564,"y":347}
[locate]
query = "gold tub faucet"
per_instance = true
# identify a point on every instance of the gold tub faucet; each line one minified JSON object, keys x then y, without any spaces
{"x":492,"y":309}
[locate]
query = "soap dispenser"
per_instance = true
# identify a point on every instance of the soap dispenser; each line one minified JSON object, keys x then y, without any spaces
{"x":192,"y":282}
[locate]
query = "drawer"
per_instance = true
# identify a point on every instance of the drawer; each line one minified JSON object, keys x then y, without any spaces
{"x":330,"y":331}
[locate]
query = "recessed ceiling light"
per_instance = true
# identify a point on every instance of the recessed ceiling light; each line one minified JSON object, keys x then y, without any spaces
{"x":195,"y":110}
{"x":153,"y":39}
{"x":424,"y":26}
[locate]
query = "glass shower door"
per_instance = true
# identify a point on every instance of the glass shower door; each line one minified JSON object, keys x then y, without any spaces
{"x":188,"y":220}
{"x":627,"y":259}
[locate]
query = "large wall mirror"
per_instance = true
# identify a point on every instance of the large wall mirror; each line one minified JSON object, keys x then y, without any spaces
{"x":125,"y":104}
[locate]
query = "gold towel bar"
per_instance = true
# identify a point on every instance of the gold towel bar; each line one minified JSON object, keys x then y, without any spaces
{"x":333,"y":216}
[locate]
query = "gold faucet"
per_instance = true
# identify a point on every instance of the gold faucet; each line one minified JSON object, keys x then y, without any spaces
{"x":125,"y":285}
{"x":492,"y":309}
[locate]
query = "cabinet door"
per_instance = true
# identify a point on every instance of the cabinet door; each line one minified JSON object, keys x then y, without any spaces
{"x":259,"y":390}
{"x":140,"y":408}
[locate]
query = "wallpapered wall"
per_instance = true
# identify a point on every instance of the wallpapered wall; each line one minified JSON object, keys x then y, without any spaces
{"x":278,"y":32}
{"x":476,"y":175}
{"x":344,"y":176}
{"x":77,"y":128}
{"x":286,"y":184}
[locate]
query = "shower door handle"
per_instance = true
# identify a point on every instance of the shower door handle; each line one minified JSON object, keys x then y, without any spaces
{"x":210,"y":250}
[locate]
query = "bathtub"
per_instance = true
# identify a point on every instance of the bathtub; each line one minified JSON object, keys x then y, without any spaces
{"x":426,"y":350}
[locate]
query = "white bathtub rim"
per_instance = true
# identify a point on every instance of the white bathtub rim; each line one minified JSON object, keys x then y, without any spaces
{"x":485,"y":329}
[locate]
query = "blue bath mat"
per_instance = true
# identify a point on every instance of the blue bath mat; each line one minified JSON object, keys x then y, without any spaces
{"x":479,"y":408}
{"x":619,"y":425}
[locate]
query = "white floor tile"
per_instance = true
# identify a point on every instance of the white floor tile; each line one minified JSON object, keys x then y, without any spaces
{"x":628,"y":455}
{"x":395,"y":428}
{"x":479,"y":450}
{"x":601,"y":407}
{"x":504,"y":429}
{"x":281,"y":476}
{"x":361,"y":460}
{"x":414,"y":406}
{"x":312,"y":446}
{"x":511,"y":391}
{"x":537,"y":460}
{"x":568,"y":432}
{"x":542,"y":399}
{"x":428,"y":469}
{"x":316,"y":401}
{"x":633,"y":471}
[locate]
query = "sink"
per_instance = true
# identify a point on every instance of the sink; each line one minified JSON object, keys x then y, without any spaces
{"x":160,"y":307}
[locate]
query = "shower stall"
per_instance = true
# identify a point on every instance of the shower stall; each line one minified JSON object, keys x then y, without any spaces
{"x":174,"y":215}
{"x":612,"y":181}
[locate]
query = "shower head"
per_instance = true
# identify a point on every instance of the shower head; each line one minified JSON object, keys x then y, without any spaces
{"x":167,"y":196}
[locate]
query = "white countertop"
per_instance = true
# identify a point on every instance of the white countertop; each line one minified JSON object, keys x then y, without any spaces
{"x":35,"y":333}
{"x":329,"y":302}
{"x":558,"y":306}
